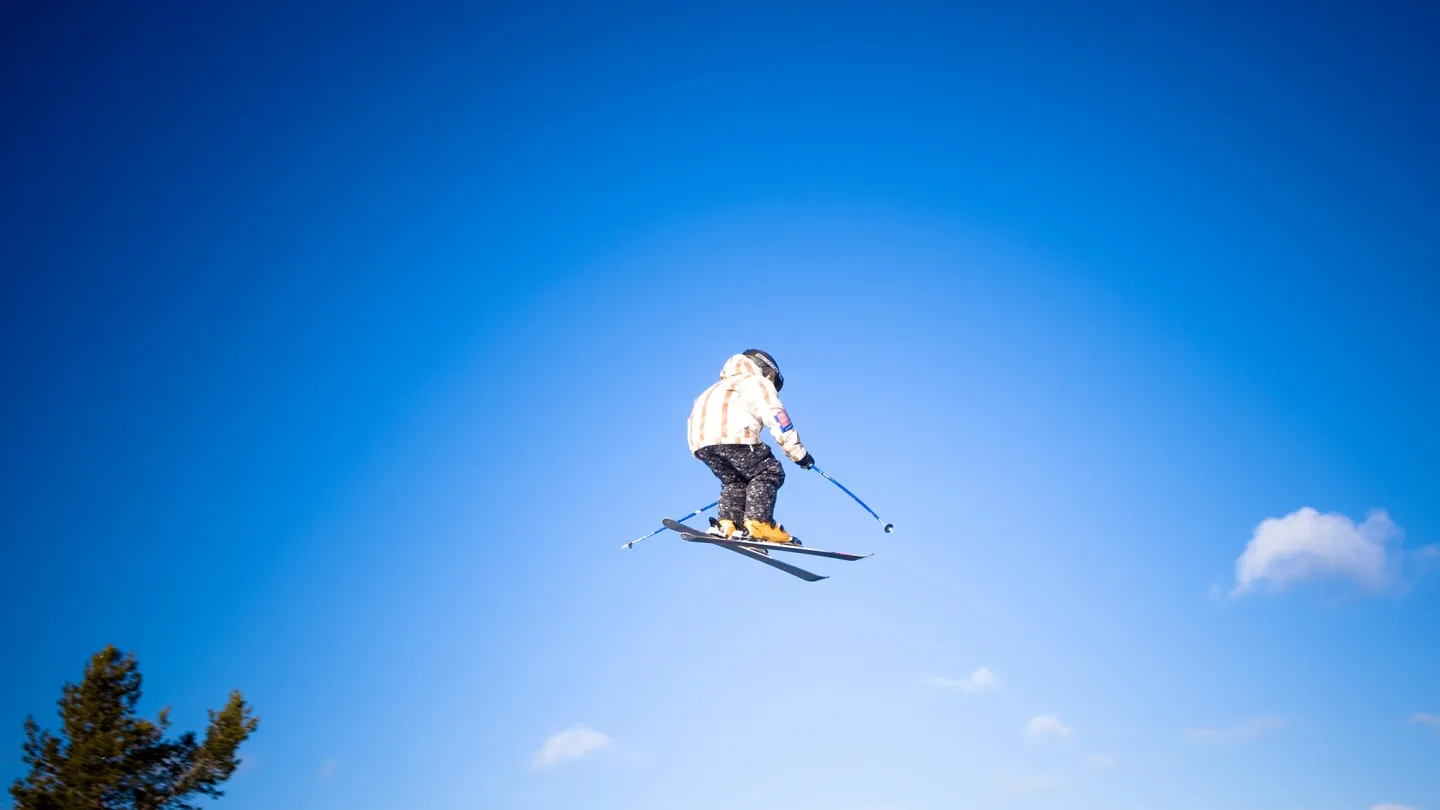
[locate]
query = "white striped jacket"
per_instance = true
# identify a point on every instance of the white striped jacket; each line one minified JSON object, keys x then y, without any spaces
{"x":736,"y":409}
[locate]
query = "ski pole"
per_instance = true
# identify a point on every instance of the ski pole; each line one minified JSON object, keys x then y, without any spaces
{"x":889,"y":527}
{"x":681,"y":520}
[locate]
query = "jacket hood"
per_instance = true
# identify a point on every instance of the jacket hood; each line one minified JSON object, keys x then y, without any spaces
{"x":739,"y":366}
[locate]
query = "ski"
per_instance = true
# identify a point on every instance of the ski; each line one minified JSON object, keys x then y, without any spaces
{"x":705,"y":537}
{"x":689,"y":533}
{"x":774,"y":563}
{"x":751,"y":549}
{"x":814,"y":552}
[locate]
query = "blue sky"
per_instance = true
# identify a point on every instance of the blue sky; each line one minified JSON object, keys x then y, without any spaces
{"x":345,"y":345}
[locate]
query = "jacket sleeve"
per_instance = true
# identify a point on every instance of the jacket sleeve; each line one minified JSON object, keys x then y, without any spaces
{"x":765,"y":402}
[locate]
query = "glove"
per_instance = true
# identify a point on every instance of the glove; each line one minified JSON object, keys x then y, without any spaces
{"x":807,"y":462}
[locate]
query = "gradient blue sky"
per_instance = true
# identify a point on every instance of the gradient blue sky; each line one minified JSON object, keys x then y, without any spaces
{"x":343,"y":346}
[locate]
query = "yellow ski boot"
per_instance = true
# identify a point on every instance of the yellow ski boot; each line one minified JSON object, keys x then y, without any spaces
{"x":723,"y":528}
{"x":769,"y":533}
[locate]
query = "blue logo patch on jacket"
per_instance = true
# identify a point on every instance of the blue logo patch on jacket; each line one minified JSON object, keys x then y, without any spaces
{"x":783,"y":419}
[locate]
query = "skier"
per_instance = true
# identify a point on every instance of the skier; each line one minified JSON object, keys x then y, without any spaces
{"x":724,"y":432}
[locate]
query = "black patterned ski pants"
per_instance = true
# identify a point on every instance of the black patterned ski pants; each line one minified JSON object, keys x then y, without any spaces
{"x":749,"y":476}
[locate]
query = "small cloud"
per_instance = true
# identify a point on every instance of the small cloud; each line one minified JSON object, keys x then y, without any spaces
{"x":1099,"y":762}
{"x":1250,"y":729}
{"x":1392,"y":807}
{"x":1308,"y":545}
{"x":979,"y":681}
{"x":1432,"y":720}
{"x":1047,"y":725}
{"x":328,"y":768}
{"x":1023,"y":784}
{"x":572,"y":743}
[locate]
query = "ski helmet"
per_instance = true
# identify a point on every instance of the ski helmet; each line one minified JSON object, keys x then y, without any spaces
{"x":768,"y":366}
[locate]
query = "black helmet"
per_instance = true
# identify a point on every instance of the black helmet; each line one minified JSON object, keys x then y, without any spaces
{"x":768,"y":367}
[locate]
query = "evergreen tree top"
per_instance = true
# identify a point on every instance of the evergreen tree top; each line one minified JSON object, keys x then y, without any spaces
{"x":105,"y":757}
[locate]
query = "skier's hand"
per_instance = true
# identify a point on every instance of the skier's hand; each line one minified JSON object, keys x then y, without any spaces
{"x":807,"y":462}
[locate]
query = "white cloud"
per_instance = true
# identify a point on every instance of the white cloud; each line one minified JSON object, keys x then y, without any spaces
{"x":1432,"y":720}
{"x":1392,"y":807}
{"x":1047,"y":725}
{"x":1099,"y":761}
{"x":1309,"y":545}
{"x":572,"y":743}
{"x":1248,"y":730}
{"x":979,"y":681}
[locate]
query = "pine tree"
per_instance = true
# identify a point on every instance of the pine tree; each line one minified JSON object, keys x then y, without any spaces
{"x":107,"y":758}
